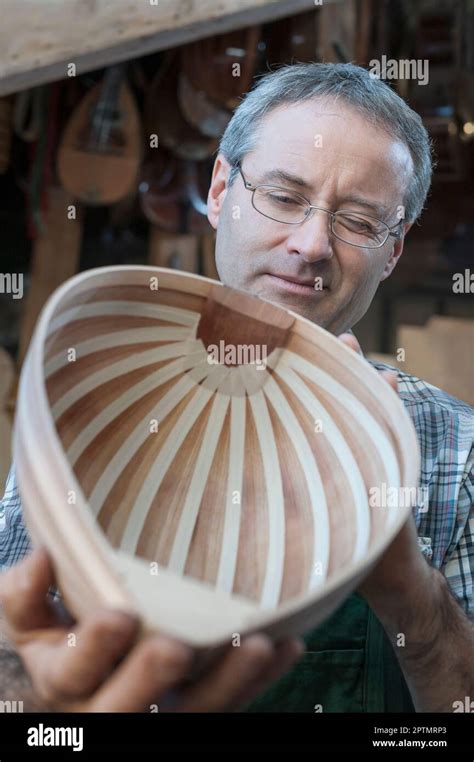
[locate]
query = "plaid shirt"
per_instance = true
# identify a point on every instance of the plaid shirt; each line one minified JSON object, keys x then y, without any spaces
{"x":445,"y":428}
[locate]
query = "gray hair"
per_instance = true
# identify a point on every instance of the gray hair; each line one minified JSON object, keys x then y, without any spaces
{"x":371,"y":97}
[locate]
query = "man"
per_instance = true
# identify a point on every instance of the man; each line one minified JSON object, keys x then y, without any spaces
{"x":320,"y":175}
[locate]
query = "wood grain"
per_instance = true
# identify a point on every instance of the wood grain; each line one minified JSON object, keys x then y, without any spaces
{"x":39,"y":39}
{"x":213,"y":474}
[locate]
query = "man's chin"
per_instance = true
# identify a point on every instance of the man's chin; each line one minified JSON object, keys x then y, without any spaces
{"x":303,"y":307}
{"x":313,"y":315}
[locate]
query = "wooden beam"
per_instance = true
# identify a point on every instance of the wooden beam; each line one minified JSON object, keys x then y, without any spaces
{"x":39,"y":38}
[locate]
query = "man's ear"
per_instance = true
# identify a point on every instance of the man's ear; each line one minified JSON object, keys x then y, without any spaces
{"x":396,"y":252}
{"x":218,"y":189}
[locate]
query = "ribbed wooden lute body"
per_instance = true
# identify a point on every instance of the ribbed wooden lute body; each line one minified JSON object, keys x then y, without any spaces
{"x":204,"y":456}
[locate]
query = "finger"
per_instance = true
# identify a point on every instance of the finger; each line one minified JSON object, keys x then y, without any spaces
{"x":287,"y":654}
{"x":152,"y":669}
{"x":230,"y":679}
{"x":391,"y":378}
{"x":66,"y":665}
{"x":350,"y":341}
{"x":23,"y":594}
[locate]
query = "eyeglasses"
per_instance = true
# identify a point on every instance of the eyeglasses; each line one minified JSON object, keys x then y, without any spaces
{"x":283,"y":205}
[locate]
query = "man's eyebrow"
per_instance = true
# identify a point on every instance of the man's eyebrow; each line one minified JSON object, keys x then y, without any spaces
{"x":281,"y":175}
{"x":286,"y":177}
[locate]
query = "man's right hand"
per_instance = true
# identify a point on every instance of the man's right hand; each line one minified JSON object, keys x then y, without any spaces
{"x":108,"y":669}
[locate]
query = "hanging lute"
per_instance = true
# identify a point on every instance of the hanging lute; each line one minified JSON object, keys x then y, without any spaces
{"x":99,"y":155}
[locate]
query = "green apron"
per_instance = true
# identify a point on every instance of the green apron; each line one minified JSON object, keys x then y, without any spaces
{"x":348,"y":666}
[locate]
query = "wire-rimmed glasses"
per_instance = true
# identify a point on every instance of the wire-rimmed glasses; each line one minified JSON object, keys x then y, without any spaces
{"x":287,"y":206}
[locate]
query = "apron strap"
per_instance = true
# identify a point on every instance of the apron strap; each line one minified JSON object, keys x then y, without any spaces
{"x":374,"y":674}
{"x":385,"y":688}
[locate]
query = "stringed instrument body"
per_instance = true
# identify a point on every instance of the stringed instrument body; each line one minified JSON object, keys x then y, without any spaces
{"x":207,"y":460}
{"x":99,"y":155}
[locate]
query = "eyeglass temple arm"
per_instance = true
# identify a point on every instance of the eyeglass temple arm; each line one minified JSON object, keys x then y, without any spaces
{"x":246,"y":183}
{"x":393,"y":230}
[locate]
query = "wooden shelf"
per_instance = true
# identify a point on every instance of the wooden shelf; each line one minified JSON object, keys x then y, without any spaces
{"x":39,"y":38}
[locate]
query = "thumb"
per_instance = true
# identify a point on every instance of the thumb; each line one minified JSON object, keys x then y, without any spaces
{"x":350,"y":341}
{"x":391,"y":378}
{"x":24,"y":591}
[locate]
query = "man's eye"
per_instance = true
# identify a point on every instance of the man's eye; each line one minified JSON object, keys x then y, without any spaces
{"x":283,"y":200}
{"x":357,"y":224}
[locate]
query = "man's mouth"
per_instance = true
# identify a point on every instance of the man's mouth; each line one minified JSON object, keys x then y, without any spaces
{"x":293,"y":284}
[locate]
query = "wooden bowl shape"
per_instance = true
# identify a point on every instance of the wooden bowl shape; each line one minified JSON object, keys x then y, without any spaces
{"x":204,"y":457}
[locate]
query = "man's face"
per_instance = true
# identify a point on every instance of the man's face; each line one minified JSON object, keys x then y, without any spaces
{"x":344,"y":162}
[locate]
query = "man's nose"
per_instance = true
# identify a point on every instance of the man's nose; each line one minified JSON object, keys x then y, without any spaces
{"x":312,"y":239}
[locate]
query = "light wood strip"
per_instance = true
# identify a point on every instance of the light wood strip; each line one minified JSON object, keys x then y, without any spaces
{"x":138,"y":436}
{"x":274,"y":488}
{"x":116,"y":339}
{"x":233,"y":511}
{"x":342,"y":452}
{"x":319,"y":507}
{"x":189,"y":514}
{"x":116,"y":408}
{"x":123,"y":307}
{"x":126,"y":365}
{"x":361,"y":414}
{"x":83,"y":330}
{"x":154,"y":478}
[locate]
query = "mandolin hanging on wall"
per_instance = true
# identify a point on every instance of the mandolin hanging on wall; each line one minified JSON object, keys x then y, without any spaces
{"x":100,"y":151}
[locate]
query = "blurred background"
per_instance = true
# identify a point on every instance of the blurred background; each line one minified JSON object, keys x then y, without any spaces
{"x":110,"y":163}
